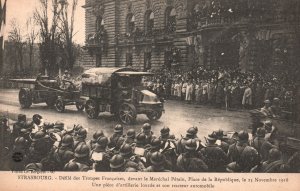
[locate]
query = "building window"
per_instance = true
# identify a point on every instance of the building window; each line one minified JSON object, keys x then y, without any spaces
{"x":129,"y":59}
{"x":99,"y":24}
{"x":149,"y":22}
{"x":130,"y":23}
{"x":170,"y":20}
{"x":147,"y":61}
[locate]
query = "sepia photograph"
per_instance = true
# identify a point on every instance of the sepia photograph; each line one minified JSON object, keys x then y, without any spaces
{"x":111,"y":93}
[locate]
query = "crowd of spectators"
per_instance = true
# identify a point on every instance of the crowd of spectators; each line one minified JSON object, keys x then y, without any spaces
{"x":227,"y":88}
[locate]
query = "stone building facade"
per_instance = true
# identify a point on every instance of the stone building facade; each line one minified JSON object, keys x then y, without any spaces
{"x":151,"y":34}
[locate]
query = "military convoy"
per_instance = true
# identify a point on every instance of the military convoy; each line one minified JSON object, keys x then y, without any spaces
{"x":116,"y":90}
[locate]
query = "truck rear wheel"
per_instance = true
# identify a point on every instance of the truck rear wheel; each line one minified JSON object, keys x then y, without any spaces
{"x":91,"y":108}
{"x":154,"y":115}
{"x":127,"y":113}
{"x":60,"y":105}
{"x":25,"y":98}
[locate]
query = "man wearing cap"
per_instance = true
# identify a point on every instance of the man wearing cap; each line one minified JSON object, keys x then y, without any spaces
{"x":82,"y":158}
{"x":18,"y":155}
{"x":146,"y":129}
{"x":157,"y":161}
{"x":165,"y":135}
{"x":223,"y":140}
{"x":266,"y":109}
{"x":275,"y":108}
{"x":130,"y":137}
{"x":117,"y":138}
{"x":214,"y":156}
{"x":190,"y":134}
{"x":100,"y":156}
{"x":242,"y":156}
{"x":155,"y":146}
{"x":191,"y":160}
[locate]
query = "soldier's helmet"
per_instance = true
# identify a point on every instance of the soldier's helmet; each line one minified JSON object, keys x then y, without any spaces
{"x":118,"y":128}
{"x":141,"y":138}
{"x":71,"y":166}
{"x":38,"y":136}
{"x":81,"y":151}
{"x":130,"y":133}
{"x":77,"y":128}
{"x":165,"y":131}
{"x":37,"y":118}
{"x":146,"y":127}
{"x":261,"y":132}
{"x":157,"y":158}
{"x":155,"y":143}
{"x":34,"y":167}
{"x":97,"y":134}
{"x":116,"y":161}
{"x":82,"y":133}
{"x":22,"y":117}
{"x":125,"y":150}
{"x":102,"y":141}
{"x":21,"y":142}
{"x":243,"y":136}
{"x":276,"y":100}
{"x":220,"y":133}
{"x":267,"y":102}
{"x":67,"y":140}
{"x":191,"y":132}
{"x":59,"y":125}
{"x":212,"y":137}
{"x":191,"y":145}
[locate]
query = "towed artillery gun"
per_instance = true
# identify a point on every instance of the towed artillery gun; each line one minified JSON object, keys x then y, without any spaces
{"x":46,"y":90}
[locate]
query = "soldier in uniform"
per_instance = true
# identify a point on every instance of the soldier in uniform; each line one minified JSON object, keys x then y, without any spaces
{"x":100,"y":156}
{"x":91,"y":143}
{"x":82,"y":158}
{"x":130,"y":137}
{"x":242,"y":156}
{"x":117,"y":138}
{"x":190,"y":134}
{"x":71,"y":167}
{"x":141,"y":140}
{"x":157,"y":160}
{"x":266,"y":109}
{"x":274,"y":164}
{"x":132,"y":160}
{"x":146,"y":129}
{"x":224,"y":142}
{"x":165,"y":135}
{"x":18,"y":126}
{"x":65,"y":152}
{"x":80,"y":137}
{"x":117,"y":164}
{"x":191,"y":160}
{"x":18,"y":156}
{"x":259,"y":139}
{"x":155,"y":147}
{"x":214,"y":156}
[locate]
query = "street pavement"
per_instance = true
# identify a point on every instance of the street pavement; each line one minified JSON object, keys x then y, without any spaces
{"x":178,"y":116}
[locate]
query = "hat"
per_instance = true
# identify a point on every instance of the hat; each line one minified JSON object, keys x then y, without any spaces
{"x":97,"y":134}
{"x":125,"y":150}
{"x":267,"y":101}
{"x":243,"y":136}
{"x":102,"y":142}
{"x":71,"y":166}
{"x":192,"y":131}
{"x":165,"y":131}
{"x":118,"y":128}
{"x":155,"y":143}
{"x":59,"y":125}
{"x":141,"y":138}
{"x":130,"y":133}
{"x":34,"y":167}
{"x":146,"y":127}
{"x":276,"y":99}
{"x":67,"y":140}
{"x":82,"y":151}
{"x":212,"y":137}
{"x":116,"y":161}
{"x":157,"y":158}
{"x":66,"y":71}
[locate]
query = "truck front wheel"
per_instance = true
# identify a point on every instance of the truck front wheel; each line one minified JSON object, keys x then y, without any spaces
{"x":154,"y":115}
{"x":127,"y":113}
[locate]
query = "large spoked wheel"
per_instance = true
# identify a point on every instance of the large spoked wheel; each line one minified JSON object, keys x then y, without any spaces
{"x":25,"y":99}
{"x":79,"y":106}
{"x":91,"y":108}
{"x":60,"y":105}
{"x":51,"y":101}
{"x":154,"y":115}
{"x":127,"y":113}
